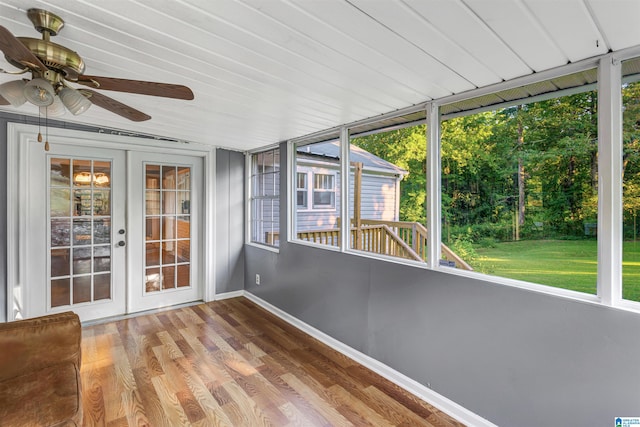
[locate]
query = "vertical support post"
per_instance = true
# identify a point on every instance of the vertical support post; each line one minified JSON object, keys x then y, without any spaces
{"x":345,"y":226}
{"x":357,"y":203}
{"x":610,"y":180}
{"x":433,"y":186}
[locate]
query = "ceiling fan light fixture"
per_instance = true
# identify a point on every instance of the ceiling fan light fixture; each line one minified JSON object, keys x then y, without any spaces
{"x":39,"y":92}
{"x":56,"y":109}
{"x":13,"y":92}
{"x":75,"y":101}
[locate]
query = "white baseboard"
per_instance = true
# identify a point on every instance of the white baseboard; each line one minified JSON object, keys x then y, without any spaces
{"x":445,"y":405}
{"x":227,"y":295}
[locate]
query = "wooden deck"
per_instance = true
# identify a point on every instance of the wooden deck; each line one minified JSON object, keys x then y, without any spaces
{"x":231,"y":363}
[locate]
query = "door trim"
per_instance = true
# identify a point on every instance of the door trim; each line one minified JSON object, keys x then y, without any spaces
{"x":19,"y":135}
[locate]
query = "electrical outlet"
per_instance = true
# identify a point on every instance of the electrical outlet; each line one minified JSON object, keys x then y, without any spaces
{"x":257,"y":279}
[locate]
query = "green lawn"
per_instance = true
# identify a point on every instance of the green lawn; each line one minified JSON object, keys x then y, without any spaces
{"x":569,"y":264}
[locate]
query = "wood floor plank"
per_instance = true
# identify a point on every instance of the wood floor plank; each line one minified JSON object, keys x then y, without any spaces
{"x":231,"y":363}
{"x":134,"y":408}
{"x":324,"y":407}
{"x":172,"y":410}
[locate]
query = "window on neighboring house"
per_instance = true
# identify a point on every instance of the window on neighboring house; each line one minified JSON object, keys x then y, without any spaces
{"x":317,"y":192}
{"x":301,"y":190}
{"x":265,"y":197}
{"x":520,"y":188}
{"x":324,"y":191}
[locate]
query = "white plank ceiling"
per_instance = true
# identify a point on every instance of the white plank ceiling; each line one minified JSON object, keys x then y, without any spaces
{"x":264,"y":71}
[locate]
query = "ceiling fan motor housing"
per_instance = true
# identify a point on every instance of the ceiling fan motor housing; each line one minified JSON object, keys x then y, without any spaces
{"x":55,"y":56}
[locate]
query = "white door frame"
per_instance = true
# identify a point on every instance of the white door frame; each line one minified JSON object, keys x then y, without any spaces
{"x":20,"y":135}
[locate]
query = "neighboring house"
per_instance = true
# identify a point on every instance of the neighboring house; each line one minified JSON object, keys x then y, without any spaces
{"x":318,"y":186}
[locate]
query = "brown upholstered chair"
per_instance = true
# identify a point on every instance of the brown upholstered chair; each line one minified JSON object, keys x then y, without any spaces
{"x":40,"y":371}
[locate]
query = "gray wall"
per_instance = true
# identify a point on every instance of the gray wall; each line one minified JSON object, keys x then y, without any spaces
{"x":512,"y":356}
{"x":230,"y":221}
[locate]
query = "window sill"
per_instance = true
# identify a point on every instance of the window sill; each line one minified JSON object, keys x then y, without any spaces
{"x":274,"y":249}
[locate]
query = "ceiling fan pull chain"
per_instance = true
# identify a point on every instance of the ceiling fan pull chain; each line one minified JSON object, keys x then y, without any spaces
{"x":46,"y":129}
{"x":39,"y":133}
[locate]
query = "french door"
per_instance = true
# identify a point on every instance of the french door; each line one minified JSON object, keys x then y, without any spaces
{"x":110,"y":231}
{"x":165,"y":223}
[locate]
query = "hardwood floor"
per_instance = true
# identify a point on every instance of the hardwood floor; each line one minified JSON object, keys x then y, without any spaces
{"x":231,"y":363}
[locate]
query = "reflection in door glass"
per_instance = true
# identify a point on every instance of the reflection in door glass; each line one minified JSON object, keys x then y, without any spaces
{"x":80,"y":231}
{"x":167,"y":227}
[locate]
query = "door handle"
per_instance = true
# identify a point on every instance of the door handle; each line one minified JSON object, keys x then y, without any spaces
{"x":121,"y":243}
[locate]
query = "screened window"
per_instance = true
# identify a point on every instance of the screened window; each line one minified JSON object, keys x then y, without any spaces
{"x":387,"y":181}
{"x":317,"y":195}
{"x":265,"y":197}
{"x":631,"y":183}
{"x":520,"y":191}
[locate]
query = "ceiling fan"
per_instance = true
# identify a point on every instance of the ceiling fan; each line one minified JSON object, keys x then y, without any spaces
{"x":53,"y":67}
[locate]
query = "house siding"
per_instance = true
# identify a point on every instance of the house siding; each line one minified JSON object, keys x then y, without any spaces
{"x":379,"y":201}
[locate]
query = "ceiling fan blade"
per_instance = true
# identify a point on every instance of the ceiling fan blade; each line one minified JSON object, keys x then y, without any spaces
{"x":137,"y":86}
{"x":3,"y":101}
{"x":16,"y":51}
{"x":114,"y":106}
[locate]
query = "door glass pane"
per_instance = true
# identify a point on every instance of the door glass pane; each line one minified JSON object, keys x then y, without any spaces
{"x":82,"y":173}
{"x":82,"y":260}
{"x":101,"y":202}
{"x":152,"y":281}
{"x":102,"y":258}
{"x":152,"y":203}
{"x":60,"y":202}
{"x":60,"y":230}
{"x":81,"y":289}
{"x":184,"y":251}
{"x":168,"y":252}
{"x":169,"y":177}
{"x":183,"y":276}
{"x":60,"y":262}
{"x":101,"y":286}
{"x":168,"y":228}
{"x":102,"y":174}
{"x":153,"y":228}
{"x":80,"y":231}
{"x":60,"y":172}
{"x":152,"y":253}
{"x":169,"y":202}
{"x":168,"y":277}
{"x":184,"y":227}
{"x":101,"y":231}
{"x":82,"y":202}
{"x":60,"y":292}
